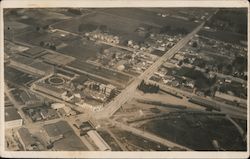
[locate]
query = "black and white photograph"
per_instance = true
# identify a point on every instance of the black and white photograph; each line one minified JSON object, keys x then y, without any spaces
{"x":125,"y":79}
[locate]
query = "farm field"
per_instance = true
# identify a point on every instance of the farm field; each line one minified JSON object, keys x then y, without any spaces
{"x":29,"y":16}
{"x":150,"y":17}
{"x":225,"y":36}
{"x":82,"y":49}
{"x":115,"y":25}
{"x":66,"y":44}
{"x":103,"y":72}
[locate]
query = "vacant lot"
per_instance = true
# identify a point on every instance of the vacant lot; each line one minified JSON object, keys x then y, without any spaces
{"x":82,"y":49}
{"x":34,"y":17}
{"x":197,"y":131}
{"x":225,"y":36}
{"x":17,"y":77}
{"x":100,"y":71}
{"x":69,"y":141}
{"x":150,"y":17}
{"x":65,"y":43}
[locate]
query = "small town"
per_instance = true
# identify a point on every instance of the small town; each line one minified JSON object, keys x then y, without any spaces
{"x":125,"y":79}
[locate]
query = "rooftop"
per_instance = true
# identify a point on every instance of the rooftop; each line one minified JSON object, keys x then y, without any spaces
{"x":69,"y":142}
{"x":11,"y":114}
{"x":34,"y":52}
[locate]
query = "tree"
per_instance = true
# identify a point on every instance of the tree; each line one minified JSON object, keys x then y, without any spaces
{"x":52,"y":47}
{"x":195,"y":44}
{"x":42,"y":43}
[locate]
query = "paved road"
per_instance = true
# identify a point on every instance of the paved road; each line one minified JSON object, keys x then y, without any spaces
{"x":147,"y":135}
{"x":128,"y":92}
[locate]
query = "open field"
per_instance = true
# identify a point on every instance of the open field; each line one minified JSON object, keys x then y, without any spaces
{"x":138,"y":142}
{"x":150,"y":17}
{"x":115,"y":25}
{"x":65,"y":43}
{"x":100,"y":71}
{"x":82,"y":49}
{"x":18,"y":77}
{"x":197,"y":131}
{"x":229,"y":37}
{"x":29,"y":16}
{"x":230,"y":19}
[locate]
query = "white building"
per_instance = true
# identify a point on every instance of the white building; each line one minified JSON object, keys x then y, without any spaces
{"x":98,"y":140}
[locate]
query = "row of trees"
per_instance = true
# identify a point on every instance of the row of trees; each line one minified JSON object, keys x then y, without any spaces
{"x":48,"y":45}
{"x":148,"y":88}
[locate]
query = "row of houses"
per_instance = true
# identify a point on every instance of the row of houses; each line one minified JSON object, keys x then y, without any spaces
{"x":96,"y":35}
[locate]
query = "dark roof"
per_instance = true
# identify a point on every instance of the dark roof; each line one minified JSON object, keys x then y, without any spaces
{"x":11,"y":114}
{"x":26,"y":136}
{"x":69,"y":142}
{"x":58,"y":128}
{"x":80,"y":80}
{"x":34,"y":52}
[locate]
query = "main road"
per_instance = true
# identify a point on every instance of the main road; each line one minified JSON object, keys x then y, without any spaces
{"x":128,"y":92}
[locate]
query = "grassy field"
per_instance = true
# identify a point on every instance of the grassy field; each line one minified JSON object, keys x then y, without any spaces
{"x":124,"y":22}
{"x":197,"y":131}
{"x":229,"y":37}
{"x":17,"y":77}
{"x":145,"y":144}
{"x":116,"y":25}
{"x":150,"y":17}
{"x":103,"y":72}
{"x":82,"y":50}
{"x":231,"y":20}
{"x":34,"y":17}
{"x":72,"y":45}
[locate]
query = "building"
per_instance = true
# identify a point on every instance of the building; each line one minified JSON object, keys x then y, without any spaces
{"x":26,"y":139}
{"x":12,"y":118}
{"x":34,"y":52}
{"x":98,"y":140}
{"x":68,"y":96}
{"x":32,"y":66}
{"x":48,"y":89}
{"x":47,"y":114}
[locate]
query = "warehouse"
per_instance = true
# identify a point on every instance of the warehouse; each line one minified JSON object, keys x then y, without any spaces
{"x":98,"y":140}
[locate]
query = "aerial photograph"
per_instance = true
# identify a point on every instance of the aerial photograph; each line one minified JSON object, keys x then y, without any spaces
{"x":125,"y":79}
